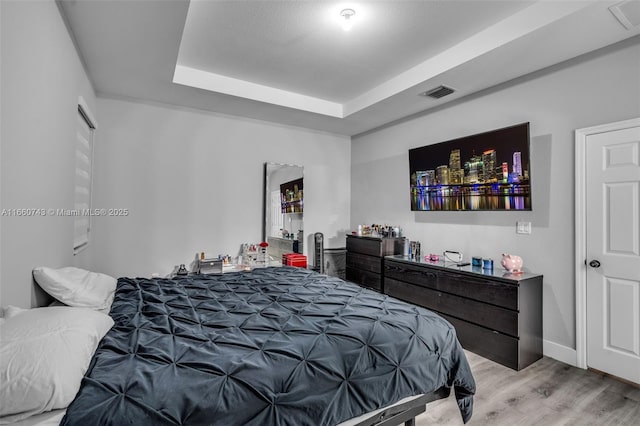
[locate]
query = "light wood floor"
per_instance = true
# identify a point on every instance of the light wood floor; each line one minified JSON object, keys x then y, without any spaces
{"x":547,"y":392}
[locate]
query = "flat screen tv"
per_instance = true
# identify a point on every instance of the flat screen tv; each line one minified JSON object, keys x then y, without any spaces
{"x":485,"y":171}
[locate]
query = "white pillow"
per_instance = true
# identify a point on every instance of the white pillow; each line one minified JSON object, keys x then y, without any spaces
{"x":104,"y":311}
{"x":77,"y":287}
{"x":44,"y":353}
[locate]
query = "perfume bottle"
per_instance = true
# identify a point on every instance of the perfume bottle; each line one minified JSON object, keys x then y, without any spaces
{"x":182,"y":270}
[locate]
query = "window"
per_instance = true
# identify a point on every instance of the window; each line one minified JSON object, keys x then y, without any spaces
{"x":83,"y":176}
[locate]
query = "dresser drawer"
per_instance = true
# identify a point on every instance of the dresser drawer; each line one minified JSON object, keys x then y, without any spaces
{"x":364,"y":262}
{"x":488,"y":343}
{"x":364,"y":278}
{"x":487,"y":291}
{"x":375,"y":246}
{"x":424,"y":277}
{"x":493,"y":317}
{"x":363,"y":245}
{"x":472,"y":287}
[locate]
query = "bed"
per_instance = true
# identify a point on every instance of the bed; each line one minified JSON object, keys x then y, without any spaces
{"x":272,"y":346}
{"x":276,"y":345}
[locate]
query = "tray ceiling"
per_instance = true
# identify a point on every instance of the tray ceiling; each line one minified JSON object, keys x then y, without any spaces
{"x":290,"y":62}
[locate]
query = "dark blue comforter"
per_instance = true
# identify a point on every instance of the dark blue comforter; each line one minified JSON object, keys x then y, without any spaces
{"x":274,"y":346}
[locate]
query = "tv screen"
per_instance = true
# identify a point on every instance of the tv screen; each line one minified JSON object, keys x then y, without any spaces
{"x":486,"y":171}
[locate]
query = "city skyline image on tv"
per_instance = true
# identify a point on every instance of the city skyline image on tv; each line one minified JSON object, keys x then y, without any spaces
{"x":485,"y":171}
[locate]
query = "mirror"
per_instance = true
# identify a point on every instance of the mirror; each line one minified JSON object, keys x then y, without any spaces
{"x":283,"y":226}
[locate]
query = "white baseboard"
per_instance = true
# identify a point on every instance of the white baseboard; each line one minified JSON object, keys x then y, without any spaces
{"x":560,"y":352}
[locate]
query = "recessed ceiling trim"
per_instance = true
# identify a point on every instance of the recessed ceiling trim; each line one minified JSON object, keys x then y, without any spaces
{"x":516,"y":26}
{"x":231,"y":86}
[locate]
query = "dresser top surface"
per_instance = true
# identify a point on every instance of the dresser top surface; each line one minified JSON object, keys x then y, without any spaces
{"x":281,"y":239}
{"x":369,"y":237}
{"x":498,"y":272}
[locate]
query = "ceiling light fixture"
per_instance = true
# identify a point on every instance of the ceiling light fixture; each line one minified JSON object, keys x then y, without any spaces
{"x":347,"y":16}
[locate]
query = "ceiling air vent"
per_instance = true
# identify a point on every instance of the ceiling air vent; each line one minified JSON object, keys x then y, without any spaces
{"x":438,"y":92}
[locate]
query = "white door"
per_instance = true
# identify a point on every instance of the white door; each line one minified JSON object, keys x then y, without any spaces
{"x":613,"y":252}
{"x":276,"y":215}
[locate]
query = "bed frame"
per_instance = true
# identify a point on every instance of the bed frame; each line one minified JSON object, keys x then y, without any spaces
{"x":406,"y":412}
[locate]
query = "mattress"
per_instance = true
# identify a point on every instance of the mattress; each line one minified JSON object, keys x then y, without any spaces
{"x":269,"y":346}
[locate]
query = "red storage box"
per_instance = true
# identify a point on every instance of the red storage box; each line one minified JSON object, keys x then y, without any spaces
{"x":294,"y":259}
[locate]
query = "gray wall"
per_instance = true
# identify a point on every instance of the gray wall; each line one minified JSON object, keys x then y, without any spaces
{"x":193,"y":182}
{"x":598,"y":88}
{"x":41,"y":79}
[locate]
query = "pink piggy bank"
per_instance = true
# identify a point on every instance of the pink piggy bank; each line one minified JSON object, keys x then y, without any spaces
{"x":511,"y":263}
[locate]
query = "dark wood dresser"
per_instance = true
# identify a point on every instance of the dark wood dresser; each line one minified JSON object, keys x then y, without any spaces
{"x":496,"y":314}
{"x":365,"y":256}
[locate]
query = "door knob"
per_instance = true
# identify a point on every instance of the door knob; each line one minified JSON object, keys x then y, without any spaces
{"x":594,"y":264}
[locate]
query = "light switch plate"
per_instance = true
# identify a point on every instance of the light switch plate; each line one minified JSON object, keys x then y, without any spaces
{"x":523,"y":227}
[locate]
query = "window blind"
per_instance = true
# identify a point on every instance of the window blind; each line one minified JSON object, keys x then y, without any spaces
{"x":83,"y":179}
